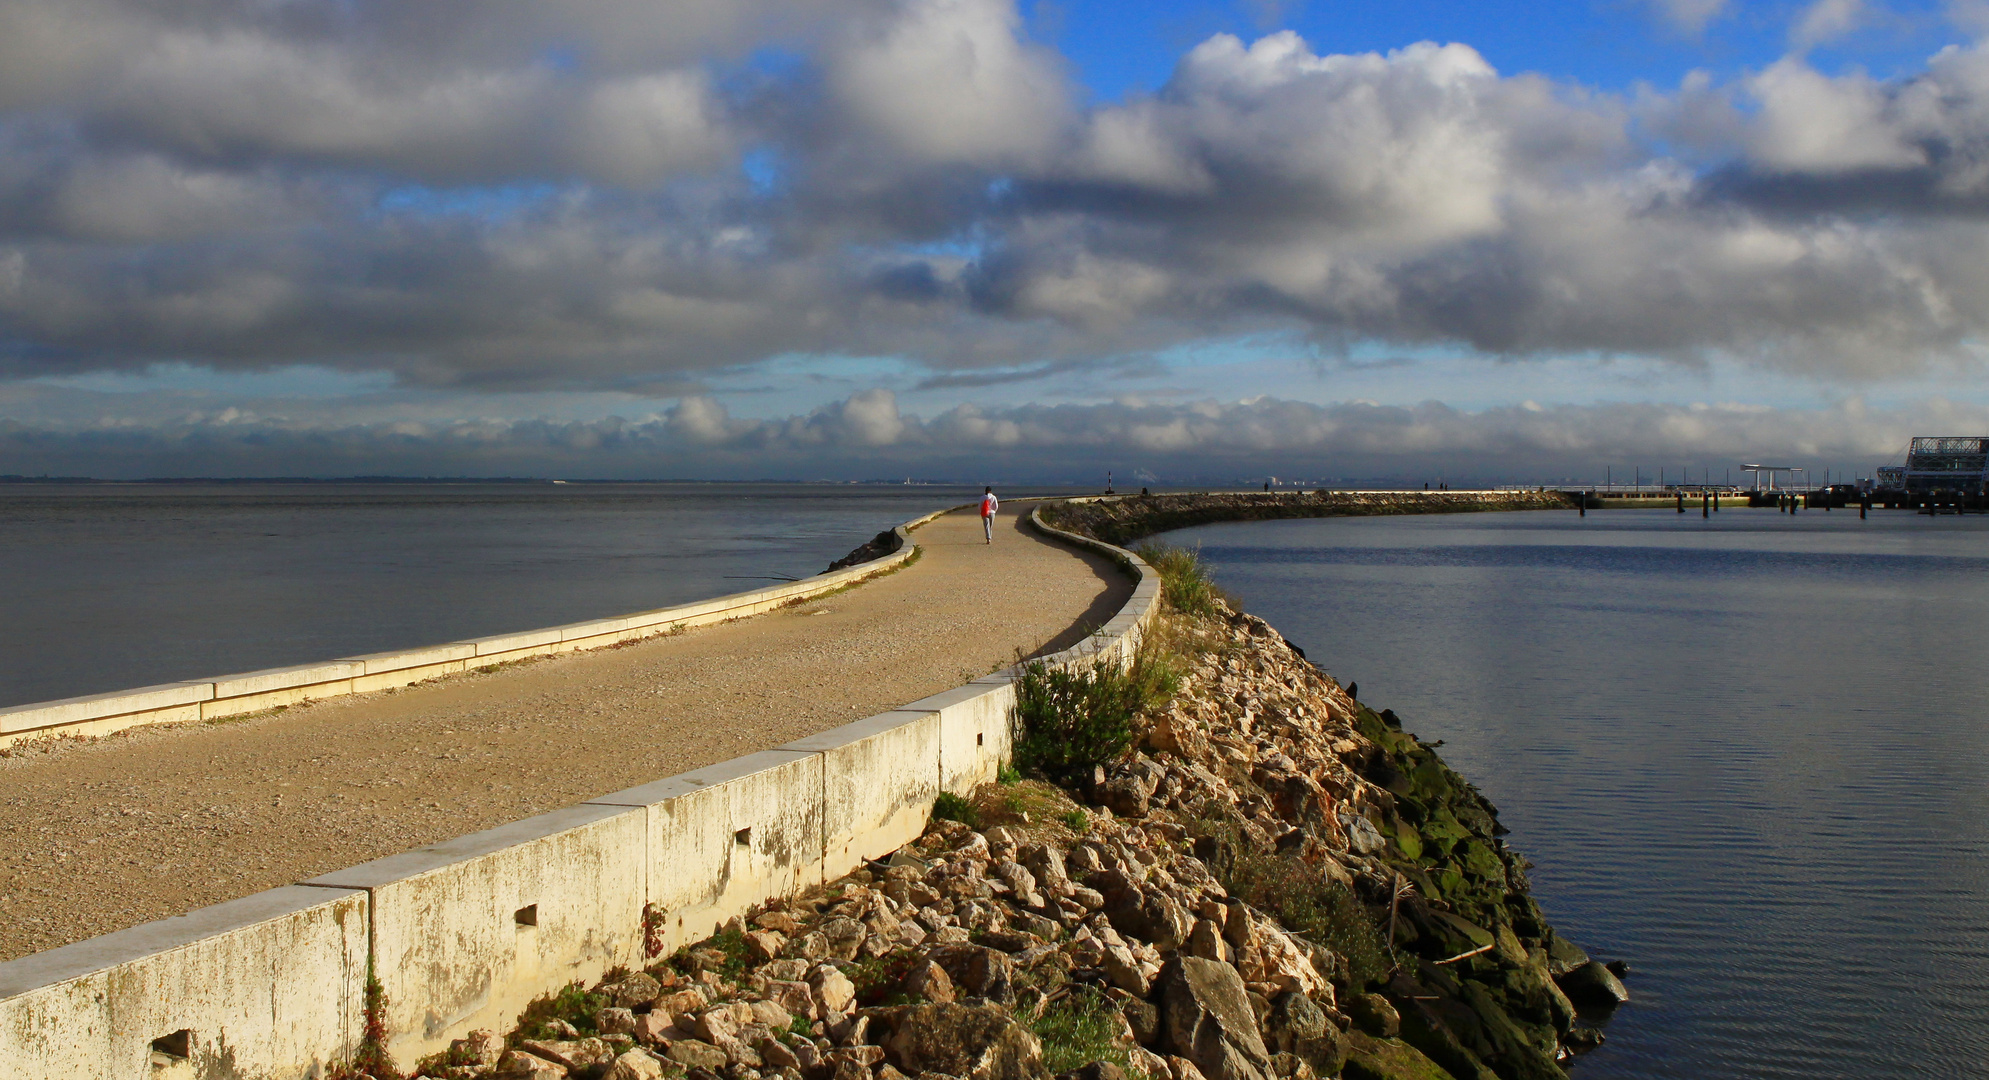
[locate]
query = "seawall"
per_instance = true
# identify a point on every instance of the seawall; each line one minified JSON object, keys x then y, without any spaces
{"x":1122,"y":519}
{"x":462,"y":934}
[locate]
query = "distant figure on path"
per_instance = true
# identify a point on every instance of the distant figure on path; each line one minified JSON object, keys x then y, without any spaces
{"x":989,"y":504}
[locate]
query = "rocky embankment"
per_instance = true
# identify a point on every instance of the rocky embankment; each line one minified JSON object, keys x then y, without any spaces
{"x":1275,"y":883}
{"x":1128,"y":518}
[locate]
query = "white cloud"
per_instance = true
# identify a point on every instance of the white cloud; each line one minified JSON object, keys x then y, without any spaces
{"x":950,"y":82}
{"x":1811,"y":122}
{"x":642,"y":130}
{"x":613,"y":195}
{"x":1826,"y":21}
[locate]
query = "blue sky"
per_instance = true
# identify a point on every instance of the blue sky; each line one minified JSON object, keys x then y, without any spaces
{"x":1123,"y":48}
{"x":955,"y":237}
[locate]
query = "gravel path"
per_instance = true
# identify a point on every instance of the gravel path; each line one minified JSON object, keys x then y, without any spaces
{"x":98,"y":836}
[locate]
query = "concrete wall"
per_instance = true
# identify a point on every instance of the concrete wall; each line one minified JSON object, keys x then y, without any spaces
{"x":232,"y":695}
{"x":268,"y":985}
{"x":464,"y":933}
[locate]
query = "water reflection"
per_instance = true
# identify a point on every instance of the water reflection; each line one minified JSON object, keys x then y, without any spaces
{"x":1745,"y":753}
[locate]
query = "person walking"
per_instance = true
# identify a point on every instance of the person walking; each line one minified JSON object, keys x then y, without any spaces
{"x":989,"y":504}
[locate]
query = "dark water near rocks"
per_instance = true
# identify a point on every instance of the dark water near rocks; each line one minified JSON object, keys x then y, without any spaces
{"x":1750,"y":754}
{"x":109,"y":587}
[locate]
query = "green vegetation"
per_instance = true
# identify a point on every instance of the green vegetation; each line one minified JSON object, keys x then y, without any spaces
{"x":877,"y":978}
{"x":372,"y":1059}
{"x":951,"y":807}
{"x":1077,"y":1030}
{"x":1323,"y":911}
{"x":1009,"y":774}
{"x":724,"y":952}
{"x":572,"y":1004}
{"x":1066,"y":722}
{"x":1184,"y":579}
{"x":1077,"y":821}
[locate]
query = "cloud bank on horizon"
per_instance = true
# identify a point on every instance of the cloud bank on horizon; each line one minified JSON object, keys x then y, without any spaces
{"x":493,"y":203}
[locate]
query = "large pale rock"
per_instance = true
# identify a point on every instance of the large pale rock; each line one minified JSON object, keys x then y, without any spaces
{"x":1288,"y":965}
{"x":779,"y":1055}
{"x":693,"y":1054}
{"x":833,"y":990}
{"x":522,"y":1065}
{"x":1146,"y":1061}
{"x":1123,"y":971}
{"x":765,"y":945}
{"x":797,"y":998}
{"x":715,"y":1023}
{"x":972,"y":1042}
{"x":772,"y":1014}
{"x":844,"y":937}
{"x":780,"y":922}
{"x":1205,"y":941}
{"x":636,"y":1065}
{"x":1206,"y":1018}
{"x":650,"y":1026}
{"x":633,"y":991}
{"x":930,"y":982}
{"x":977,"y":970}
{"x":574,"y":1054}
{"x":681,"y":1002}
{"x":1297,"y":1026}
{"x":483,"y":1047}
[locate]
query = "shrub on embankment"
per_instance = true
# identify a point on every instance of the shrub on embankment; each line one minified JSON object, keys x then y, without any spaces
{"x":1125,"y":520}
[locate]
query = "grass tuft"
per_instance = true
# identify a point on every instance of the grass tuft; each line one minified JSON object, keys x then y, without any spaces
{"x":1078,"y":1030}
{"x":1185,"y":582}
{"x":572,"y":1004}
{"x":951,"y":807}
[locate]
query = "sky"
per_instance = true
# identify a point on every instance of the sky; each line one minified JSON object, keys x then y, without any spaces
{"x":984,"y":240}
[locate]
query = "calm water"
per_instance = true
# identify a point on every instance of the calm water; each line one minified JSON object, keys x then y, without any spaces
{"x":117,"y":586}
{"x":1747,"y":754}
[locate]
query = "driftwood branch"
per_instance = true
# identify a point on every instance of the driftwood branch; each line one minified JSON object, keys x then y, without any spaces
{"x":1467,"y":955}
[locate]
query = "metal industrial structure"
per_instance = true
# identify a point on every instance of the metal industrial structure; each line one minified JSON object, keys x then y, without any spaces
{"x":1939,"y":470}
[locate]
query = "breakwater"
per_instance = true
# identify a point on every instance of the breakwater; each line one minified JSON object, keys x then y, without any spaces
{"x":1123,"y":519}
{"x":1272,"y":882}
{"x":464,"y":933}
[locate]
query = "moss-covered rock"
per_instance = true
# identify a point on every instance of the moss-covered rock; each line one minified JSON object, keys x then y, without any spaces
{"x":1369,"y":1058}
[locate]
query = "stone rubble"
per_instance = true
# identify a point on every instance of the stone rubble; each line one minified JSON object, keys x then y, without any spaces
{"x":938,"y":962}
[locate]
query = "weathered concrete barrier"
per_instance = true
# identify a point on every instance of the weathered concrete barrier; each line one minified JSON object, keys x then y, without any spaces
{"x":463,"y":934}
{"x":268,"y":985}
{"x":233,"y":695}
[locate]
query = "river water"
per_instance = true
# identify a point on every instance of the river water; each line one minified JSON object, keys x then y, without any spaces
{"x":114,"y":586}
{"x":1746,"y":753}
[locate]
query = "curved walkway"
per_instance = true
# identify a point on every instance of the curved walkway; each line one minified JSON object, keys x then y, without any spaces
{"x":99,"y":836}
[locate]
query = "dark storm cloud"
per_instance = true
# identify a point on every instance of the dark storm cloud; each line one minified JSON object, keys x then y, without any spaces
{"x":613,"y":194}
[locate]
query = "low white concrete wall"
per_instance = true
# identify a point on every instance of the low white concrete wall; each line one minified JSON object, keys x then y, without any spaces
{"x":232,"y":695}
{"x":268,"y":985}
{"x":464,"y":933}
